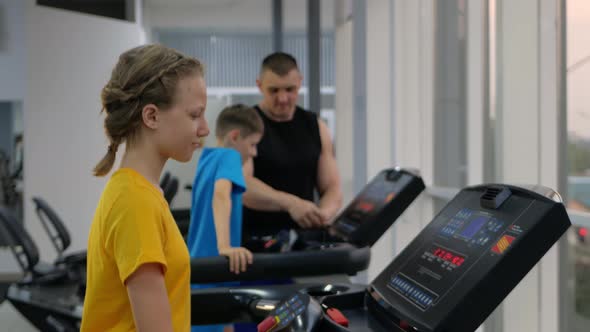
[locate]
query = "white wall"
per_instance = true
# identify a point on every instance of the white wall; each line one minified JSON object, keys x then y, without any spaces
{"x":245,"y":15}
{"x":12,"y":50}
{"x":70,"y":57}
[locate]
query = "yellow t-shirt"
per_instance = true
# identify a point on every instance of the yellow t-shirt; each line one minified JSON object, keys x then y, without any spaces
{"x":132,"y":226}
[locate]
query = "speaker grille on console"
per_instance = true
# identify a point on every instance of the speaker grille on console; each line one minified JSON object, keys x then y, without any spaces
{"x":493,"y":197}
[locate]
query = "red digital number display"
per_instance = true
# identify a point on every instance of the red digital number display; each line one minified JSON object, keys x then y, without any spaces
{"x":448,"y":256}
{"x":365,"y":207}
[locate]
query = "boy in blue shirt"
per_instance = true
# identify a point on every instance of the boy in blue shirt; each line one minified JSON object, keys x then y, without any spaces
{"x":216,"y":211}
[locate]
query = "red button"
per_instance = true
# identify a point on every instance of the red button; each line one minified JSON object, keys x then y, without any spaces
{"x":269,"y":243}
{"x":267,"y":324}
{"x":337,"y":317}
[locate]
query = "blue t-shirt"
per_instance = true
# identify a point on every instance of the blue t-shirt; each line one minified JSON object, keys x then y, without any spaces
{"x":215,"y":164}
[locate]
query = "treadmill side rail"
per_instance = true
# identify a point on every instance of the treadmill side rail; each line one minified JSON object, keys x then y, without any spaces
{"x":343,"y":259}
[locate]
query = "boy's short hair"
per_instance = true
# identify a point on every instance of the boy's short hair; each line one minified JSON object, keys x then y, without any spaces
{"x":280,"y":63}
{"x":241,"y":117}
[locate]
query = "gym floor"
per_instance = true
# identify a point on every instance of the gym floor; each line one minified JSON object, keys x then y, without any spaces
{"x":12,"y":320}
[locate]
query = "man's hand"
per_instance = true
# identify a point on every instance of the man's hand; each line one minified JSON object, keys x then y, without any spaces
{"x":327,"y":218}
{"x":239,"y":258}
{"x":305,"y":213}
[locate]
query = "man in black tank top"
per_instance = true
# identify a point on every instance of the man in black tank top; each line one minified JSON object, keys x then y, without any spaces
{"x":295,"y":159}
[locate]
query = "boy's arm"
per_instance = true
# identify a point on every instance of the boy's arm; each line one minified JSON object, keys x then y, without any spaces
{"x":261,"y":196}
{"x":222,"y":211}
{"x":238,"y":257}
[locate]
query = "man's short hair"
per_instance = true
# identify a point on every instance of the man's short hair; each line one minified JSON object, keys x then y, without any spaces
{"x":241,"y":117}
{"x":279,"y":63}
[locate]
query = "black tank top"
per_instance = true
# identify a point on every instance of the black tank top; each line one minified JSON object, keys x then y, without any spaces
{"x":287,"y":160}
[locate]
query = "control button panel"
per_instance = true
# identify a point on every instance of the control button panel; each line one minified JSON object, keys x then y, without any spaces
{"x":285,"y":313}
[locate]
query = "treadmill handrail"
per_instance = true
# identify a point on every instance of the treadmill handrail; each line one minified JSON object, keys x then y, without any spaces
{"x":344,"y":259}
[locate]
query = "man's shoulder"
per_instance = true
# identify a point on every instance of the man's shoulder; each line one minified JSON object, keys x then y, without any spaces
{"x":303,"y":110}
{"x":308,"y":117}
{"x":306,"y":114}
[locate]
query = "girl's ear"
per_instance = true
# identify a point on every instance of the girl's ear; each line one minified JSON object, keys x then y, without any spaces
{"x":149,"y":116}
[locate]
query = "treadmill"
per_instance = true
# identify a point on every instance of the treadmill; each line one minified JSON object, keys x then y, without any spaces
{"x":449,"y":278}
{"x":48,"y":298}
{"x":343,"y":248}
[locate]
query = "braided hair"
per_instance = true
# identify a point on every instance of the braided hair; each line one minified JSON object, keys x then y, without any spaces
{"x":143,"y":75}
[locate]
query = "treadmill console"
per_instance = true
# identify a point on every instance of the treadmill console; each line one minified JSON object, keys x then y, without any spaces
{"x":378,"y":205}
{"x":468,"y":259}
{"x":297,"y":313}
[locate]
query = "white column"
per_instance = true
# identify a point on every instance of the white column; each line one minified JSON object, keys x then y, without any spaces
{"x":476,"y":89}
{"x":551,"y":163}
{"x":379,"y":86}
{"x":527,"y":102}
{"x":518,"y":103}
{"x":379,"y":111}
{"x":399,"y":106}
{"x":139,"y":21}
{"x":477,"y":102}
{"x":344,"y":139}
{"x":413,"y":106}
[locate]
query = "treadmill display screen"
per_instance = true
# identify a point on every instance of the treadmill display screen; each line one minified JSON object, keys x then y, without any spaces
{"x":459,"y":240}
{"x":472,"y":227}
{"x":377,"y":206}
{"x":375,"y":196}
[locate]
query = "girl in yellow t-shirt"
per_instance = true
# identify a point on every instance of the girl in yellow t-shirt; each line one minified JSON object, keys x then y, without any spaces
{"x":138,"y":270}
